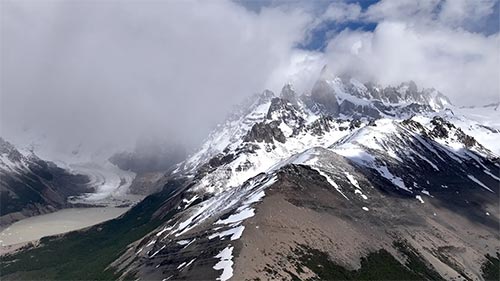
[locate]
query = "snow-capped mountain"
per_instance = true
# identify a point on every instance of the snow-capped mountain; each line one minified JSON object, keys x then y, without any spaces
{"x":348,"y":97}
{"x":347,"y":181}
{"x":31,"y":186}
{"x":384,"y":167}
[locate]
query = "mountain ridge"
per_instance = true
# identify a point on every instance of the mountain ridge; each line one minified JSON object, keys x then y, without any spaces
{"x":437,"y":146}
{"x":286,"y":179}
{"x":31,"y":186}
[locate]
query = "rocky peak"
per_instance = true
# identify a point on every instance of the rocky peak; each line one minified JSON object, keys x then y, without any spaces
{"x":265,"y":132}
{"x":323,"y":94}
{"x":267,"y":94}
{"x":8,"y":150}
{"x":288,"y":93}
{"x":408,"y":89}
{"x":436,"y":99}
{"x":408,"y":92}
{"x":326,"y":74}
{"x":281,"y":110}
{"x":444,"y":129}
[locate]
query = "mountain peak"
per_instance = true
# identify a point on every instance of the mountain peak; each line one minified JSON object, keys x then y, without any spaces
{"x":288,"y":93}
{"x":326,"y":74}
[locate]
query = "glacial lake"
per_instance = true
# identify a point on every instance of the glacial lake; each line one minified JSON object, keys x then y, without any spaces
{"x":59,"y":222}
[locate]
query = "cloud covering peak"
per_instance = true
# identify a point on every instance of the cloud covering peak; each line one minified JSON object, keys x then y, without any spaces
{"x":106,"y":73}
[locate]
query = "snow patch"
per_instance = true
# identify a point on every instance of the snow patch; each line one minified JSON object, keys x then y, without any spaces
{"x":397,"y":181}
{"x":225,"y":264}
{"x":352,"y":180}
{"x":492,"y":175}
{"x":330,"y":181}
{"x":244,"y":214}
{"x":234,"y":232}
{"x":478,"y":182}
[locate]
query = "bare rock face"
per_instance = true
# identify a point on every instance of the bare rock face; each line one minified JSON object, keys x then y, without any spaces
{"x":265,"y":132}
{"x":324,"y":95}
{"x":443,"y":129}
{"x":289,"y":94}
{"x":30,"y":186}
{"x":359,"y":110}
{"x":283,"y":111}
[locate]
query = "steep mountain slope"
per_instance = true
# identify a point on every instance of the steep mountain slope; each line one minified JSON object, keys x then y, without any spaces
{"x":481,"y":122}
{"x":350,"y":181}
{"x":320,"y":195}
{"x":31,"y":186}
{"x":399,"y":162}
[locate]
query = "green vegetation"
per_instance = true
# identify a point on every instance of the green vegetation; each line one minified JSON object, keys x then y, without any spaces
{"x":379,"y":265}
{"x":85,"y":255}
{"x":491,"y":268}
{"x":416,"y":263}
{"x":441,"y":254}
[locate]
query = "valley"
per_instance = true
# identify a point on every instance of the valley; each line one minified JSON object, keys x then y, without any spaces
{"x":107,"y":195}
{"x":250,"y":140}
{"x":346,"y":182}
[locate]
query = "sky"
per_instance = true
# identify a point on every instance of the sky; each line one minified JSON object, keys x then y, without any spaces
{"x":106,"y":73}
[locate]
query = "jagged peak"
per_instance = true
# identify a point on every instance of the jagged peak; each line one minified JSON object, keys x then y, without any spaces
{"x":7,"y":148}
{"x":409,"y":85}
{"x":288,"y":93}
{"x":267,"y":93}
{"x":287,"y":87}
{"x":326,"y":74}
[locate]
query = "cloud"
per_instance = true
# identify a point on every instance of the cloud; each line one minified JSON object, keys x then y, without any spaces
{"x":451,"y":45}
{"x":463,"y":65}
{"x":106,"y":73}
{"x":407,"y":10}
{"x":473,"y":16}
{"x":469,"y":14}
{"x":341,"y":12}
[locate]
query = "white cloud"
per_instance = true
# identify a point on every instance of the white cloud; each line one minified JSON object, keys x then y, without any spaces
{"x":465,"y":14}
{"x":433,"y":42}
{"x":461,"y":64}
{"x":407,"y":10}
{"x":470,"y":14}
{"x":108,"y":72}
{"x":341,"y":12}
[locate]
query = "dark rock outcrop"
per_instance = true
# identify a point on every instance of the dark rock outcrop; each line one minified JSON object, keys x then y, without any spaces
{"x":265,"y":132}
{"x":324,"y":96}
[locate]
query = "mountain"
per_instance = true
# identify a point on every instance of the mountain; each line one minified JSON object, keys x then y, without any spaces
{"x":31,"y":186}
{"x":348,"y":181}
{"x":149,"y":160}
{"x":150,"y":155}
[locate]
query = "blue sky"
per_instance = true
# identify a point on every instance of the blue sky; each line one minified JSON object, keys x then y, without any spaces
{"x":318,"y":36}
